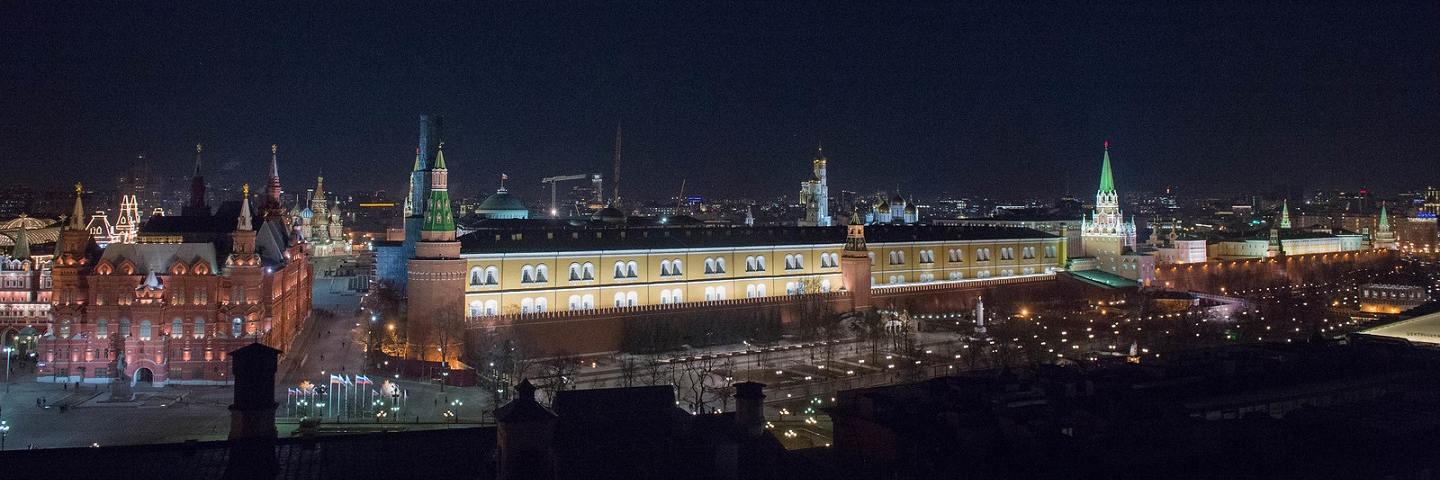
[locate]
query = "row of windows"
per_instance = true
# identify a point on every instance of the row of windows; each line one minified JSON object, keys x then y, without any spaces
{"x":927,"y":257}
{"x":632,"y":298}
{"x":539,"y":274}
{"x":147,"y":329}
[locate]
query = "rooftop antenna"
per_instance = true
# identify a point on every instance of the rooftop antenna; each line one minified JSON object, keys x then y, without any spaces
{"x":616,"y":180}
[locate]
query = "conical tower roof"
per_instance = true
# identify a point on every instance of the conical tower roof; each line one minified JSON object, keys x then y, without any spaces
{"x":77,"y":216}
{"x":1384,"y":219}
{"x":1107,"y":181}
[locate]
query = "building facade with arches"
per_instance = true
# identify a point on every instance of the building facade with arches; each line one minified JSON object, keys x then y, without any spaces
{"x":169,"y":308}
{"x":540,"y":270}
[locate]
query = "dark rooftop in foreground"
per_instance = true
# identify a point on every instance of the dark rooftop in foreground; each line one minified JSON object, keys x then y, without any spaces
{"x":582,"y":239}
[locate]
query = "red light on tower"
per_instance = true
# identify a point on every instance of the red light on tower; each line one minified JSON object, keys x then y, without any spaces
{"x":1107,"y":144}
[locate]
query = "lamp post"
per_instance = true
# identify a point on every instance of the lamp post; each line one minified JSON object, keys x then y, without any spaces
{"x":7,"y":351}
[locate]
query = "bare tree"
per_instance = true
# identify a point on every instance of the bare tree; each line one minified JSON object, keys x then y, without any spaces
{"x":629,"y":369}
{"x":654,"y":370}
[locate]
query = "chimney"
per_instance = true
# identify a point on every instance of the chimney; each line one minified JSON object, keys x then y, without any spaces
{"x":750,"y":407}
{"x":253,"y":413}
{"x":524,"y":435}
{"x":252,"y":416}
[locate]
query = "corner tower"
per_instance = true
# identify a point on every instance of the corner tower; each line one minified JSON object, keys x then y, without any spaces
{"x":436,"y":273}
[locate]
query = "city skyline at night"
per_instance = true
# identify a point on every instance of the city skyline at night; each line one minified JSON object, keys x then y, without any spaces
{"x":985,"y":99}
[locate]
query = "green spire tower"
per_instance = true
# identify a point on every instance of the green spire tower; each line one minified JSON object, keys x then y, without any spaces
{"x":1384,"y":219}
{"x":1285,"y":215}
{"x":439,"y":221}
{"x":1107,"y":181}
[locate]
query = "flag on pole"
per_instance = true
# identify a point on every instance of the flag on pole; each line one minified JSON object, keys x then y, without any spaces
{"x":345,"y":380}
{"x":336,"y":379}
{"x":363,"y":380}
{"x":374,"y":393}
{"x":504,"y":177}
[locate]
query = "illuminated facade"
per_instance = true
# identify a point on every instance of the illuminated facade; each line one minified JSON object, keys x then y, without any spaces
{"x":169,"y":307}
{"x":1109,"y":238}
{"x":580,"y":269}
{"x":815,"y":194}
{"x":320,"y":225}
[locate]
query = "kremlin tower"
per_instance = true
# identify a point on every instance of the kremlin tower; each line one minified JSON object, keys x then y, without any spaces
{"x":435,"y":273}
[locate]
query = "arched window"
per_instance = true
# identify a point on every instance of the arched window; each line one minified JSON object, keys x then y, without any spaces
{"x":574,"y":302}
{"x":587,"y":302}
{"x":124,"y":330}
{"x":789,"y":288}
{"x":527,"y":274}
{"x":632,"y":299}
{"x":676,"y":296}
{"x":542,"y":274}
{"x":177,"y":328}
{"x":527,"y":305}
{"x":760,"y":290}
{"x":237,"y":328}
{"x":589,"y":271}
{"x":749,"y":291}
{"x":760,"y":263}
{"x":825,"y":286}
{"x":477,"y":308}
{"x":709,"y":293}
{"x":146,"y":329}
{"x":619,"y":299}
{"x":720,"y":265}
{"x":799,"y":261}
{"x":664,"y":268}
{"x":664,"y":297}
{"x":199,"y":330}
{"x":789,"y":262}
{"x":675,"y":267}
{"x":619,"y":270}
{"x":749,"y":264}
{"x":65,"y":328}
{"x":492,"y":275}
{"x":632,"y":269}
{"x":709,"y":266}
{"x":492,"y":307}
{"x":574,"y":272}
{"x":540,"y":304}
{"x":477,"y":276}
{"x":102,"y":329}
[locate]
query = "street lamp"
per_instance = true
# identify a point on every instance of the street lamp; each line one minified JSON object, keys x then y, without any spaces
{"x":7,"y":351}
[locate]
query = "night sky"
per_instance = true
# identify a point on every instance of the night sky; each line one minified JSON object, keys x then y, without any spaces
{"x":964,"y":98}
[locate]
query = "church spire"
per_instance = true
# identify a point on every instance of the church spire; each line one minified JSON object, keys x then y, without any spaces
{"x":1107,"y":181}
{"x":1285,"y":215}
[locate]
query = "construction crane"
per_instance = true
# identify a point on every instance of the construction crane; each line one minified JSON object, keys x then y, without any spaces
{"x":553,"y":181}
